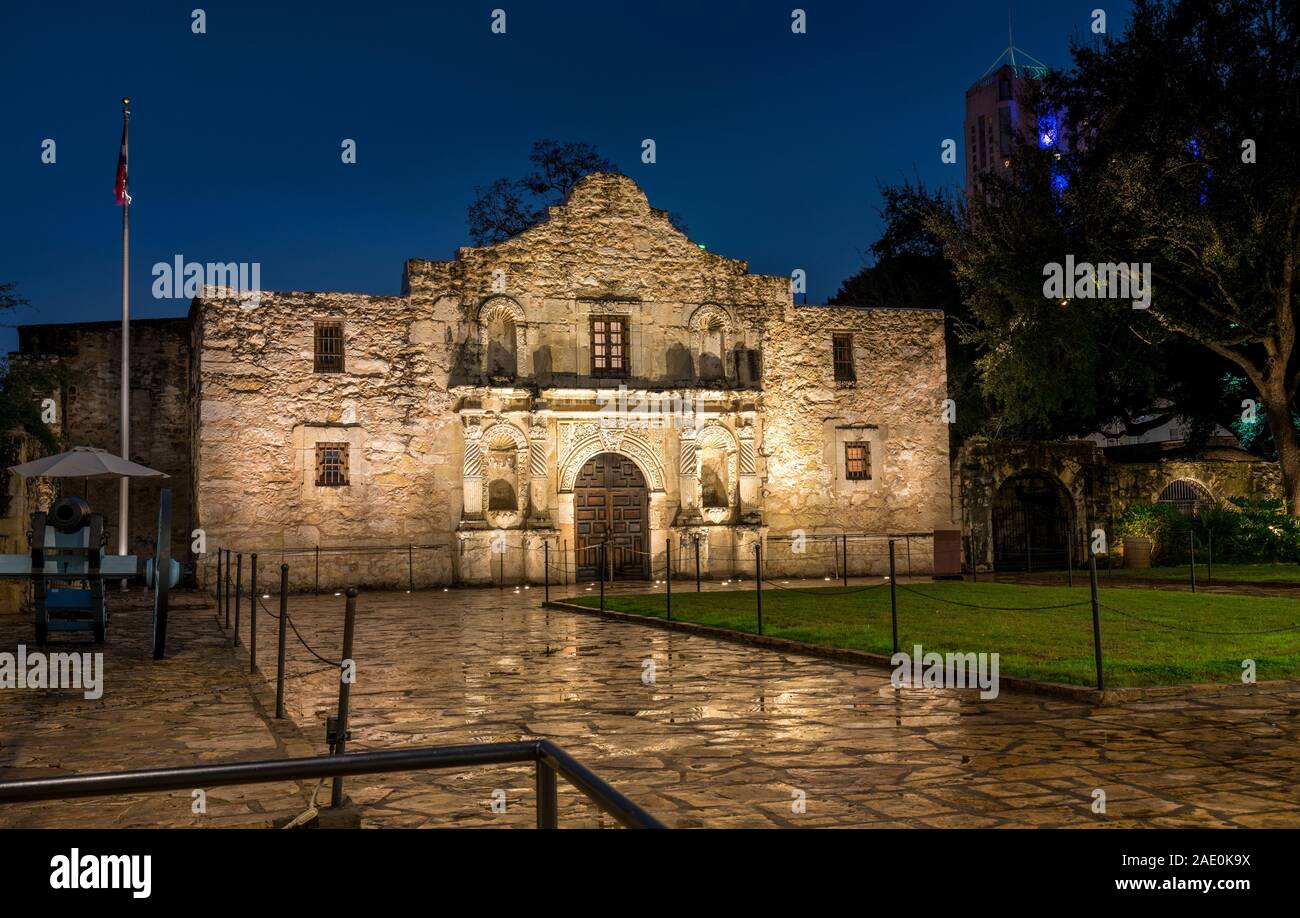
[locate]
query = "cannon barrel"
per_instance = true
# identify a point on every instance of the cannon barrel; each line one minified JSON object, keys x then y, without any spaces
{"x":69,"y":514}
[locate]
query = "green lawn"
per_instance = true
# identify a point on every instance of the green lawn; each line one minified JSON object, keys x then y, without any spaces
{"x":1141,"y":638}
{"x":1246,"y":573}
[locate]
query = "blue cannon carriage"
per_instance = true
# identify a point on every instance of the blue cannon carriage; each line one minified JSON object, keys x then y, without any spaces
{"x":67,"y":567}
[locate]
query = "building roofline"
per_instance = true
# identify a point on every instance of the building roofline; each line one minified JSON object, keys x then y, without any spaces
{"x":101,"y":323}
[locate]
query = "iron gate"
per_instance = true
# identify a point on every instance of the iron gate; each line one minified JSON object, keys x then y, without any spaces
{"x":1031,"y":524}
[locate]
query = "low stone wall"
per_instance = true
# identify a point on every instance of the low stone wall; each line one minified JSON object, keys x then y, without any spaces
{"x":1098,"y":489}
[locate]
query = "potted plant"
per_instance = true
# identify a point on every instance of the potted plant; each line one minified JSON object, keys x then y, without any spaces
{"x":1140,"y":525}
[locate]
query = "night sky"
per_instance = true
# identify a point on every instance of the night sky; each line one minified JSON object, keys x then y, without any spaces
{"x":771,"y":145}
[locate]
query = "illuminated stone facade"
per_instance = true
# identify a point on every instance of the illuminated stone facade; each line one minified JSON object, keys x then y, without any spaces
{"x":468,"y":407}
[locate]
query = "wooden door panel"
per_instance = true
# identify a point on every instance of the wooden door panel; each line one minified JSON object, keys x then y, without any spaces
{"x":610,"y":506}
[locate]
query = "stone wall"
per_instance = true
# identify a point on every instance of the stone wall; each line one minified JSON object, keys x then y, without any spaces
{"x":481,"y":372}
{"x":1134,"y":482}
{"x":89,"y":415}
{"x":895,"y":405}
{"x":1098,"y":489}
{"x":262,"y":410}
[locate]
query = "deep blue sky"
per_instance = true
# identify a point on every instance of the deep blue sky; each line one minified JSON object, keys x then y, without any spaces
{"x":771,"y":145}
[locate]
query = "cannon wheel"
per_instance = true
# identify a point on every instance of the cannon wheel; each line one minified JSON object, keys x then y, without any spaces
{"x":162,"y":570}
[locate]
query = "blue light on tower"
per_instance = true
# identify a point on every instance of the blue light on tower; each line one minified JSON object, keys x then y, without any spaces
{"x":1047,"y":130}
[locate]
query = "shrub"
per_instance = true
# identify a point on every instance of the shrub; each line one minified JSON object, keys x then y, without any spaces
{"x":1149,"y":520}
{"x":1248,"y":531}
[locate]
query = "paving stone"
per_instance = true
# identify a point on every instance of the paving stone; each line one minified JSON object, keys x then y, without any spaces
{"x":723,"y":737}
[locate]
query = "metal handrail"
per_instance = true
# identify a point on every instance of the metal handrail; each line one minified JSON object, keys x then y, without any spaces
{"x":550,"y":760}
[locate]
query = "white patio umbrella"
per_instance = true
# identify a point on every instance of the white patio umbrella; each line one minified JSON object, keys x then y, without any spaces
{"x":84,"y":462}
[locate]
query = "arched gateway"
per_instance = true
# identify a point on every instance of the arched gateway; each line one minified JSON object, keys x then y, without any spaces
{"x":1031,"y":523}
{"x":610,"y":505}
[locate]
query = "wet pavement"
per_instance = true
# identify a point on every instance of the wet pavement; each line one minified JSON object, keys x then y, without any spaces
{"x":699,"y":732}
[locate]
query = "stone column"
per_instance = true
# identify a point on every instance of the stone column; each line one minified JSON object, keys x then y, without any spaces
{"x":660,"y":519}
{"x":688,"y":474}
{"x":539,"y":477}
{"x":749,"y":497}
{"x":472,"y":473}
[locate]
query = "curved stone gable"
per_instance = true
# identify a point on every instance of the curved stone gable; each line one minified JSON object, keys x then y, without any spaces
{"x":603,"y":241}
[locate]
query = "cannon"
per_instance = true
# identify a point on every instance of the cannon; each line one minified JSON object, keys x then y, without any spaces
{"x":67,"y":568}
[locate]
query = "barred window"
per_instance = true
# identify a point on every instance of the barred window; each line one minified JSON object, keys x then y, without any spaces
{"x":329,"y":347}
{"x":844,"y":371}
{"x":331,"y":464}
{"x":857,"y":461}
{"x":609,"y":346}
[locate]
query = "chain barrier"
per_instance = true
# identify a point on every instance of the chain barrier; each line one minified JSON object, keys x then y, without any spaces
{"x":839,"y":591}
{"x":298,"y":635}
{"x":971,"y":605}
{"x":1168,"y":627}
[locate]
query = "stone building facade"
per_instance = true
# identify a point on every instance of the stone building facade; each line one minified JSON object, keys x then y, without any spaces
{"x":597,"y":378}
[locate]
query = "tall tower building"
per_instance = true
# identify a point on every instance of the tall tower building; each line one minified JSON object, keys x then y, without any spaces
{"x":994,"y":115}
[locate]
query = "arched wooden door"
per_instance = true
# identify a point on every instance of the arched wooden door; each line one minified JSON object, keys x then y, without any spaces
{"x":610,"y":505}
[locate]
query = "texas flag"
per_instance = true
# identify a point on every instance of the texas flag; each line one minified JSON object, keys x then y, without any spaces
{"x":119,"y":187}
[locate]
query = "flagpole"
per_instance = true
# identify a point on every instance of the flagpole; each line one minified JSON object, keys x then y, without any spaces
{"x":124,"y":485}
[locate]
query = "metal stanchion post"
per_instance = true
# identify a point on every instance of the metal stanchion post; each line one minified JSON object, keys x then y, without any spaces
{"x":548,"y":804}
{"x":226,"y":591}
{"x":239,"y":589}
{"x":1193,"y":565}
{"x":279,"y":662}
{"x":341,"y":737}
{"x":1069,"y":557}
{"x":697,"y":564}
{"x":1096,"y":618}
{"x":253,"y":599}
{"x":546,"y":577}
{"x":893,"y":596}
{"x":601,"y":562}
{"x":668,"y":575}
{"x":758,"y":578}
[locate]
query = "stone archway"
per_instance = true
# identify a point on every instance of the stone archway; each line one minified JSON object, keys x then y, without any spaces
{"x":611,"y":507}
{"x":1032,"y":520}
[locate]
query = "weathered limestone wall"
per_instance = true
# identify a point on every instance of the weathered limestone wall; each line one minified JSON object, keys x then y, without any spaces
{"x":479,"y":374}
{"x":983,"y":465}
{"x":89,"y":415}
{"x":262,"y":410}
{"x":895,"y":405}
{"x":1099,"y":489}
{"x":1143,"y":481}
{"x":20,"y":498}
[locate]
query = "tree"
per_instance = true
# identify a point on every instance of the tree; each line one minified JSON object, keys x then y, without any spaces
{"x":1181,"y":159}
{"x":24,"y":385}
{"x":909,"y":269}
{"x":507,"y":207}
